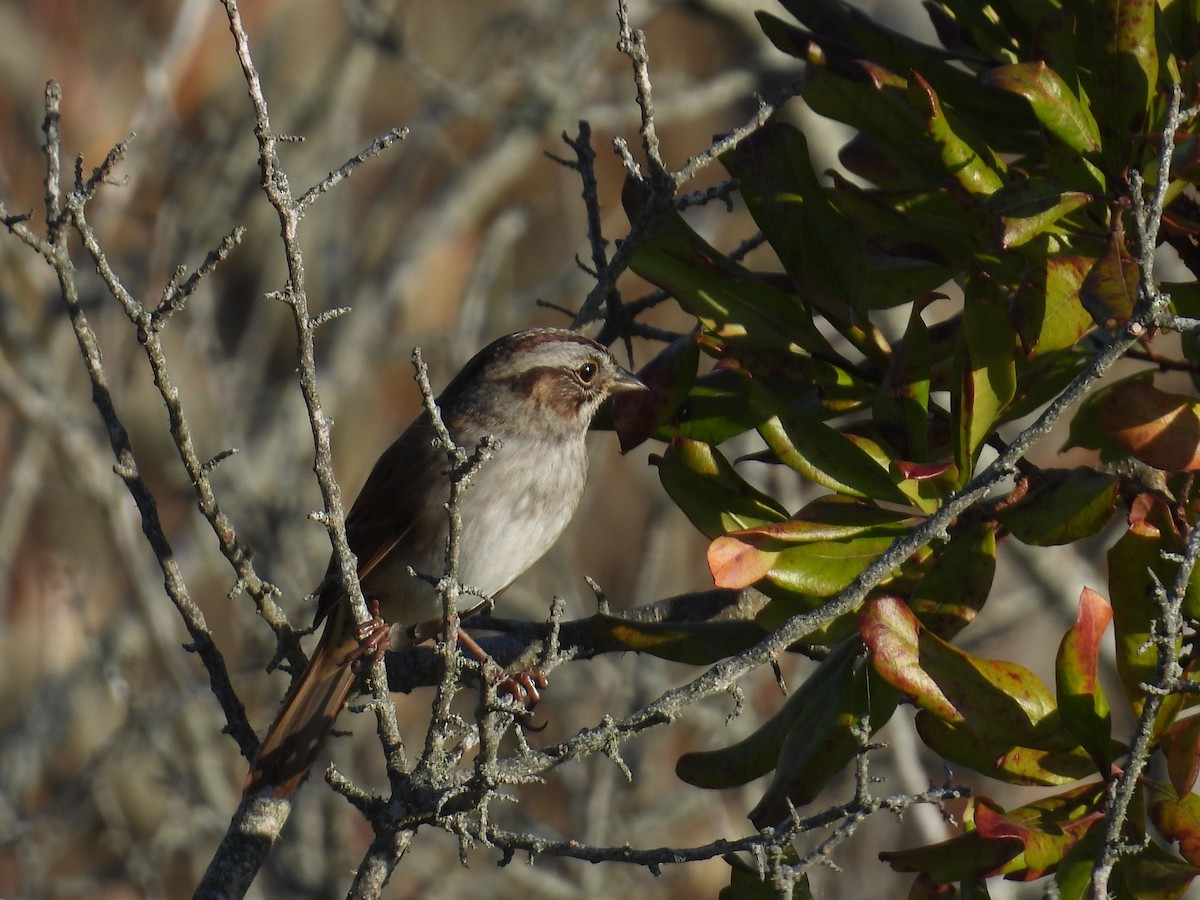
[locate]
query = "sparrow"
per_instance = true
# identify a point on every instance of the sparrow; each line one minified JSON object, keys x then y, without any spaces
{"x":536,"y":393}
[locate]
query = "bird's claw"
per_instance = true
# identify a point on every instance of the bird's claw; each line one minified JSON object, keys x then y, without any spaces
{"x":372,"y":638}
{"x":524,"y":687}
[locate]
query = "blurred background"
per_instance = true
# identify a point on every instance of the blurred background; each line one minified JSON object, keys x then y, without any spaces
{"x":115,"y":778}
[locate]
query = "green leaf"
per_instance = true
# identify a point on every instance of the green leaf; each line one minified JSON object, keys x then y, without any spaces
{"x":1181,"y":747}
{"x":1131,"y":587}
{"x":987,"y":380}
{"x":819,"y":699}
{"x":716,"y":409}
{"x":1086,"y":430}
{"x":694,"y":643}
{"x":1029,"y":207}
{"x":1047,"y":829}
{"x":789,"y":204}
{"x":952,"y":591}
{"x":1081,"y":700}
{"x":927,"y":224}
{"x":1062,"y":506}
{"x":710,"y":492}
{"x":821,"y":739}
{"x":816,"y":552}
{"x":821,"y":453}
{"x":1046,"y":309}
{"x":965,"y":857}
{"x":973,"y":169}
{"x":1176,"y":818}
{"x":1109,"y":291}
{"x":1024,"y":843}
{"x":994,"y":716}
{"x":1124,"y":74}
{"x":1153,"y":874}
{"x":731,"y":302}
{"x":669,"y":377}
{"x":903,"y":399}
{"x":1057,"y":108}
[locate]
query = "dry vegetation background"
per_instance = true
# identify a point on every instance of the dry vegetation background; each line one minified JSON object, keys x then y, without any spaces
{"x":115,"y":780}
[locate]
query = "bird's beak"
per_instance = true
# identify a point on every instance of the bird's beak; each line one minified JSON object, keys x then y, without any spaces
{"x":624,"y":381}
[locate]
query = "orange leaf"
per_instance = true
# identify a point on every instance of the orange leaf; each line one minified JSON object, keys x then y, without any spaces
{"x":1160,"y":429}
{"x":736,"y":564}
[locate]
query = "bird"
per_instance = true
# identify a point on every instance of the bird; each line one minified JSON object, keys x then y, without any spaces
{"x":536,"y":393}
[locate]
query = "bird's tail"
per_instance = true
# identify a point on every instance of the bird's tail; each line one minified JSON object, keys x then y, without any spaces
{"x":307,"y":715}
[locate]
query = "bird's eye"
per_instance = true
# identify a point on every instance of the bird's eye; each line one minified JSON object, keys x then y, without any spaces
{"x":586,"y":372}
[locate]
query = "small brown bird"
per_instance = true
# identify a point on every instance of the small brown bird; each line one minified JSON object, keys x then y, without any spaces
{"x":536,"y":392}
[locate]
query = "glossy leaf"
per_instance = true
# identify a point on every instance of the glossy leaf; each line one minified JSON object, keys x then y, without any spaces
{"x":824,"y":455}
{"x":1046,"y":309}
{"x":1153,"y":874}
{"x":716,"y":409}
{"x":1027,"y":208}
{"x":965,"y":857}
{"x":1023,"y":843}
{"x":992,"y":715}
{"x":710,"y":491}
{"x":817,"y":552}
{"x":1063,"y":506}
{"x":1047,"y":829}
{"x":1086,"y":430}
{"x":974,"y":170}
{"x":728,"y":299}
{"x":1057,"y":108}
{"x":1159,"y":428}
{"x":1081,"y":700}
{"x":1177,"y":819}
{"x":987,"y":379}
{"x":1131,"y":587}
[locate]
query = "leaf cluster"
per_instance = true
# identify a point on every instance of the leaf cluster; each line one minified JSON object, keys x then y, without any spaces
{"x":987,"y":203}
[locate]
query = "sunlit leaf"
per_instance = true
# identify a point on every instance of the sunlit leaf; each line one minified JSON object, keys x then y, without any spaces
{"x":1159,"y":428}
{"x":987,"y":379}
{"x":992,"y":715}
{"x":1046,"y":309}
{"x":1081,"y":700}
{"x":710,"y":491}
{"x":1177,"y":818}
{"x":1135,"y":569}
{"x":1029,"y":207}
{"x":825,"y":455}
{"x":974,"y":170}
{"x":1055,"y":105}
